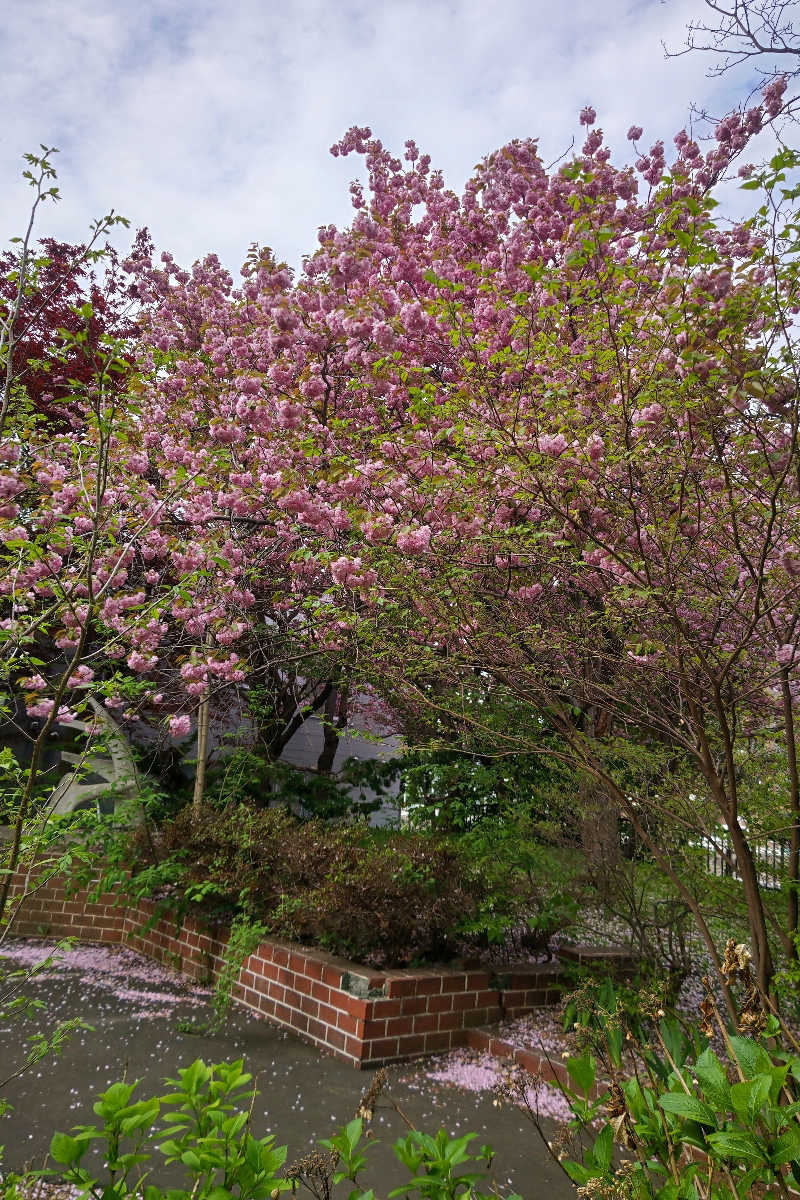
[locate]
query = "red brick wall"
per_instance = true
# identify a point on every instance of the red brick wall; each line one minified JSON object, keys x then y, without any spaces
{"x":325,"y":999}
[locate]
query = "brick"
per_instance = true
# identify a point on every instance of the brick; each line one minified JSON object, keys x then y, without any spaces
{"x":384,"y":1048}
{"x":309,"y":1006}
{"x":327,"y":1014}
{"x":400,"y":1025}
{"x":478,"y":1039}
{"x":477,"y":980}
{"x":451,"y":1020}
{"x":454,"y":983}
{"x":443,"y":1003}
{"x":488,"y":998}
{"x":529,"y":1060}
{"x":354,"y":1005}
{"x":465,"y":1000}
{"x":499,"y":1048}
{"x":316,"y":1029}
{"x":332,"y":976}
{"x":374,"y":1029}
{"x":354,"y":1047}
{"x":414,"y":1004}
{"x":290,"y":996}
{"x":385,"y":1007}
{"x":301,"y":983}
{"x":283,"y":1014}
{"x":429,"y":987}
{"x":313,"y":969}
{"x":350,"y":1024}
{"x":413,"y":1043}
{"x":334,"y":1037}
{"x":436,"y":1041}
{"x":426,"y":1023}
{"x":401,"y":987}
{"x":478,"y":1016}
{"x":321,"y":992}
{"x":560,"y":1073}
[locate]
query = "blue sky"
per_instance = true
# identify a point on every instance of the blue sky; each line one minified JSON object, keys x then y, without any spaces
{"x":210,"y":122}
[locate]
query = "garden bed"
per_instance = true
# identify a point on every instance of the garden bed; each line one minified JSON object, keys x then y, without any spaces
{"x":364,"y":1016}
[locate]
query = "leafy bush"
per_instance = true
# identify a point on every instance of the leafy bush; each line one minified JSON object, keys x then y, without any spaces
{"x":456,"y":791}
{"x":205,"y":1134}
{"x":529,"y":890}
{"x":245,"y":777}
{"x":668,"y":1109}
{"x":385,"y":898}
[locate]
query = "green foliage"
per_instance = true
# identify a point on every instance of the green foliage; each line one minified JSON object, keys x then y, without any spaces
{"x":243,"y":939}
{"x":529,"y":890}
{"x":432,"y":1162}
{"x":692,"y":1122}
{"x":454,"y":790}
{"x":245,"y":777}
{"x":207,"y":1134}
{"x":384,"y":897}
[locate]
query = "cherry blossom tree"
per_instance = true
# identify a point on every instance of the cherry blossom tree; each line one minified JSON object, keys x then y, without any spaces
{"x":573,"y":408}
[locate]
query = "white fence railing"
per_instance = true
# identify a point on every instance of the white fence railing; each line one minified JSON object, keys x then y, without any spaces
{"x":771,"y":857}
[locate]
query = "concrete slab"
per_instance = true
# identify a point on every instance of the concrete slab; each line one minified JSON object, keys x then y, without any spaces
{"x":136,"y":1007}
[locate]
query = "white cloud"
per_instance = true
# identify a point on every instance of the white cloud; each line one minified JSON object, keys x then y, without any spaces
{"x":210,"y":122}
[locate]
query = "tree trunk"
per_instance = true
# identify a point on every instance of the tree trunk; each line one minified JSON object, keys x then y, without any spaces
{"x":599,"y":813}
{"x":202,"y":754}
{"x":333,"y":723}
{"x":599,"y":829}
{"x":793,"y":881}
{"x":762,"y":955}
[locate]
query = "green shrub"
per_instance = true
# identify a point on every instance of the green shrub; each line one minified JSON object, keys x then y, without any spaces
{"x":385,"y":898}
{"x":529,"y":890}
{"x":675,"y":1110}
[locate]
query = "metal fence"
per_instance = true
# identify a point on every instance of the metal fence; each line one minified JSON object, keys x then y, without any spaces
{"x":771,"y":858}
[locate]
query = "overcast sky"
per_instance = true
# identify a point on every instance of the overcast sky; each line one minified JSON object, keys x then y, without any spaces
{"x":210,"y":121}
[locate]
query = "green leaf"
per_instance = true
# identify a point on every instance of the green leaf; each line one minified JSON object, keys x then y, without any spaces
{"x":787,"y":1147}
{"x":577,"y":1173}
{"x":714,"y":1081}
{"x":353,"y":1132}
{"x":582,"y":1071}
{"x":689,"y":1107}
{"x":65,"y":1149}
{"x":752,"y":1058}
{"x":748,"y":1097}
{"x":603,"y":1148}
{"x":737,"y":1146}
